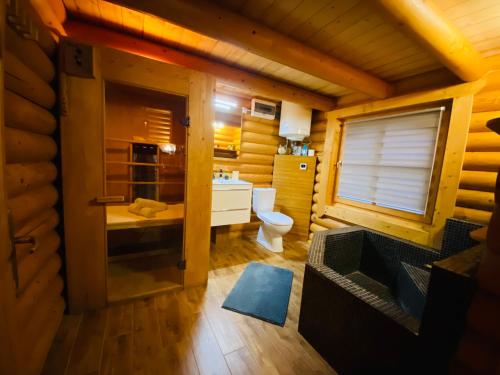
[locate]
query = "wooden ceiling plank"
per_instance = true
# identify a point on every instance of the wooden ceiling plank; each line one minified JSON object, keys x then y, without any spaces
{"x":425,"y":21}
{"x":254,"y":8}
{"x":327,"y":34}
{"x":322,"y":18}
{"x":355,"y":31}
{"x":373,"y":36}
{"x":254,"y":83}
{"x":301,"y":14}
{"x":214,"y":21}
{"x":278,"y":10}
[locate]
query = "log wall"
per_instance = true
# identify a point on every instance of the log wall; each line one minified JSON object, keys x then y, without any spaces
{"x":475,"y":198}
{"x":30,"y":175}
{"x":318,"y":131}
{"x":259,"y":144}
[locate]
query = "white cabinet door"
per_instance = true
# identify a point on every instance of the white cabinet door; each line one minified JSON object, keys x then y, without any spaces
{"x":223,"y":200}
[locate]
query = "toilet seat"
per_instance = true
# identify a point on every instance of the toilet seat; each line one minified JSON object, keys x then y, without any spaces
{"x":275,"y":218}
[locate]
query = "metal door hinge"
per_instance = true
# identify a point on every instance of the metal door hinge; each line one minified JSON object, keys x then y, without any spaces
{"x":181,"y":264}
{"x":186,"y":122}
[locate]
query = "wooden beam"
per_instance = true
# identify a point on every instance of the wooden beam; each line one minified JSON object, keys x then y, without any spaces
{"x":256,"y":84}
{"x":441,"y":77}
{"x":429,"y":25}
{"x":209,"y":19}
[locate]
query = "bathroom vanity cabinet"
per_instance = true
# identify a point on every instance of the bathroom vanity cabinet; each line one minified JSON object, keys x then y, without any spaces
{"x":231,"y":202}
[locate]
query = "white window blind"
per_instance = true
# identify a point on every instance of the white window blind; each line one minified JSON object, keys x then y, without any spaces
{"x":388,"y":161}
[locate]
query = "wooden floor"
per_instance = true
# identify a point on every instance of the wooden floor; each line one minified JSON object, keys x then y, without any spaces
{"x":187,"y":332}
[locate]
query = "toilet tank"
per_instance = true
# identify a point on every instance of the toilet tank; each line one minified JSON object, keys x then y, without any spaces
{"x":263,"y":199}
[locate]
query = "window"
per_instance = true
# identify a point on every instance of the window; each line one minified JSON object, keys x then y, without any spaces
{"x":388,"y":161}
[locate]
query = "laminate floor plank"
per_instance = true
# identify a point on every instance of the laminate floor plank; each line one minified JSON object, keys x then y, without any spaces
{"x":186,"y":332}
{"x":58,"y":357}
{"x":87,"y":351}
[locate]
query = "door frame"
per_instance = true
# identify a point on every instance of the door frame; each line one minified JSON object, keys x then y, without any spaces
{"x":86,"y":254}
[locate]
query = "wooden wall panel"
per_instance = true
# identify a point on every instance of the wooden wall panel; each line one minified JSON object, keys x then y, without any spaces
{"x":30,"y":173}
{"x":481,"y":162}
{"x":294,"y":190}
{"x":130,"y":115}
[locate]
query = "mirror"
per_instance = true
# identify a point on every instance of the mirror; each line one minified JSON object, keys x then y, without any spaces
{"x":227,"y":125}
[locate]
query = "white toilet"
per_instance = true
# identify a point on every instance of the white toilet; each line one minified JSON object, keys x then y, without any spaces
{"x":274,"y":224}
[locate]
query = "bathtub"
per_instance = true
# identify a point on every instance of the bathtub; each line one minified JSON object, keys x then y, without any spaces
{"x":365,"y":295}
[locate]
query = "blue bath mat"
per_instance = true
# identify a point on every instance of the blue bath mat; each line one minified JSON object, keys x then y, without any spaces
{"x":263,"y":292}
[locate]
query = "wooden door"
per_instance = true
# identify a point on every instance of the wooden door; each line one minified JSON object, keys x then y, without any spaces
{"x":82,"y":138}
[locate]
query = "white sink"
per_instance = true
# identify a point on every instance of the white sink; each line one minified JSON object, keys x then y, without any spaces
{"x":221,"y":181}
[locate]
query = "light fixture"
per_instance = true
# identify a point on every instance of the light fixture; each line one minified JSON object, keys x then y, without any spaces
{"x":225,"y":104}
{"x":168,"y":148}
{"x":218,"y":125}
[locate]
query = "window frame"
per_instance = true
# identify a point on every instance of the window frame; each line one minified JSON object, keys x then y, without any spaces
{"x":440,"y":148}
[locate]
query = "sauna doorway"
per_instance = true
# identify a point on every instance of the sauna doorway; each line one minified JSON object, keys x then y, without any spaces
{"x":107,"y":163}
{"x":144,"y":155}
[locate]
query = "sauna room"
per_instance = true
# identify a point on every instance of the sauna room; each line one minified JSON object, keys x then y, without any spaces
{"x":249,"y":187}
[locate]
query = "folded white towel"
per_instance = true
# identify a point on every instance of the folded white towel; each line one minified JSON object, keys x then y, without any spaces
{"x":141,"y":211}
{"x":150,"y":203}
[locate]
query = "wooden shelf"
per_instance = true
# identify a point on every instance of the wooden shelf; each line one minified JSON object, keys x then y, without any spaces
{"x":133,"y":163}
{"x":141,"y":254}
{"x":146,"y":182}
{"x":130,"y":141}
{"x":118,"y":217}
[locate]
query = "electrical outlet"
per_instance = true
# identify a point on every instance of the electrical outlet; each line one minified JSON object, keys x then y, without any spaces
{"x":78,"y":59}
{"x":303,"y":166}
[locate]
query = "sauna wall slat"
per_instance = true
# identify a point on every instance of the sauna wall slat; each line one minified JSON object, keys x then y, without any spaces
{"x":30,"y":174}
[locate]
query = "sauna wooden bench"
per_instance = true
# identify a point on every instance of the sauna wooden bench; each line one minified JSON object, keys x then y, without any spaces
{"x":118,"y":217}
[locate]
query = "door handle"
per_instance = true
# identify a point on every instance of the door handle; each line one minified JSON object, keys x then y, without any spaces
{"x":26,"y":240}
{"x":110,"y":199}
{"x":21,"y":240}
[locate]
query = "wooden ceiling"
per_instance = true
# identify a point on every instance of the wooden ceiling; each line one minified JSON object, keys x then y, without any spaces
{"x":354,"y":31}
